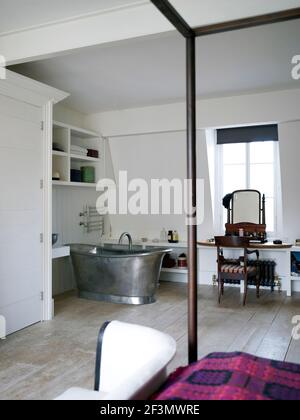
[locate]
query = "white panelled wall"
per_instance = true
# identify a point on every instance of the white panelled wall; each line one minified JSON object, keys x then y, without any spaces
{"x":21,"y":214}
{"x":67,"y":203}
{"x":25,"y":142}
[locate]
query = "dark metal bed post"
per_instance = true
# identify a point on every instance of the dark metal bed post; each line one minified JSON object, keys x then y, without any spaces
{"x":180,"y":24}
{"x":192,"y":175}
{"x":190,"y":34}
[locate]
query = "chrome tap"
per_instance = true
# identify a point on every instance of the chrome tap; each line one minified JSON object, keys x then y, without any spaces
{"x":129,"y":239}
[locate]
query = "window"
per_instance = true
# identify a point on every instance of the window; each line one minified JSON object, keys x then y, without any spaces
{"x":248,"y":166}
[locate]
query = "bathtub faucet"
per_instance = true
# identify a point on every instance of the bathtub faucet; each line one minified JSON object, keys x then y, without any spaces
{"x":129,"y":239}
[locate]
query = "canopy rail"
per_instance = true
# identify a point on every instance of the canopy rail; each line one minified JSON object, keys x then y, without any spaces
{"x":174,"y":17}
{"x":250,"y":22}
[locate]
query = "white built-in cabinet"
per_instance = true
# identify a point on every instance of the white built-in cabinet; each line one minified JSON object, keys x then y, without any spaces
{"x":25,"y":200}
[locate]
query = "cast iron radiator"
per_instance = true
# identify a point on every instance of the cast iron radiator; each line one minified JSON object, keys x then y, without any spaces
{"x":267,"y":274}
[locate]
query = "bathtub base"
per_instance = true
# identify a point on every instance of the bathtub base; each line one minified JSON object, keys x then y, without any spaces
{"x":123,"y":300}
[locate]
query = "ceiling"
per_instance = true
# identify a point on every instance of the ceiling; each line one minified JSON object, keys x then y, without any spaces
{"x":199,"y":12}
{"x":19,"y":14}
{"x":149,"y":71}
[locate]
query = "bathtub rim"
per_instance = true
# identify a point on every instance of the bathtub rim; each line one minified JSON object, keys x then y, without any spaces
{"x":142,"y":253}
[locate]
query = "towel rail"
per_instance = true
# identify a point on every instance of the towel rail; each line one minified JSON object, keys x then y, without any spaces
{"x":91,"y":220}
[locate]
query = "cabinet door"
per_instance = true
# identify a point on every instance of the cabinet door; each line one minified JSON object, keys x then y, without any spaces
{"x":21,"y":214}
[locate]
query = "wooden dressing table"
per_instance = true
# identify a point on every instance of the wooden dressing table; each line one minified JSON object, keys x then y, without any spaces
{"x":266,"y":246}
{"x":242,"y":205}
{"x":269,"y":251}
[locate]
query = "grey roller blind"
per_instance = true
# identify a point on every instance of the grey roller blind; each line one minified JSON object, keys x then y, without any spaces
{"x":248,"y":134}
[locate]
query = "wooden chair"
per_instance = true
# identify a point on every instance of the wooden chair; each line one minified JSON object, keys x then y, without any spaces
{"x":236,"y":269}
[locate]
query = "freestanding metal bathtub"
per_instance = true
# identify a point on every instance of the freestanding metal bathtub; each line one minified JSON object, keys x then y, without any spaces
{"x":117,"y":274}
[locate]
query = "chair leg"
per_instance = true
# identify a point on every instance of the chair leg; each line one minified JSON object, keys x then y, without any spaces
{"x":258,"y":286}
{"x":220,"y":289}
{"x":246,"y":291}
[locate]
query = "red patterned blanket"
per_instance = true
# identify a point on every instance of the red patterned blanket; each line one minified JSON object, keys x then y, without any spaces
{"x":233,"y":376}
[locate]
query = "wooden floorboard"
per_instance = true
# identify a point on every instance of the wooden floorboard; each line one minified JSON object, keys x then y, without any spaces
{"x":44,"y":360}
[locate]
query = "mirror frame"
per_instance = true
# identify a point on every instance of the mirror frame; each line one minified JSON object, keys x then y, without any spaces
{"x":261,"y":209}
{"x":251,"y":228}
{"x":259,"y":205}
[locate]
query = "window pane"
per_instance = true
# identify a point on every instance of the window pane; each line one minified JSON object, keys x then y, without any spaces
{"x":270,"y":216}
{"x":234,"y":153}
{"x":262,"y":152}
{"x":259,"y":175}
{"x":224,"y":217}
{"x":234,"y":178}
{"x":262,"y":178}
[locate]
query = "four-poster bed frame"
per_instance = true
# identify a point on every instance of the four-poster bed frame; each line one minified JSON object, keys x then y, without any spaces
{"x":190,"y":34}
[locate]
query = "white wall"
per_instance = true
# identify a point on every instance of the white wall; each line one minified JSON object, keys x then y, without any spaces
{"x":144,"y":127}
{"x":255,"y":108}
{"x":289,"y":134}
{"x":68,"y":116}
{"x":159,"y":156}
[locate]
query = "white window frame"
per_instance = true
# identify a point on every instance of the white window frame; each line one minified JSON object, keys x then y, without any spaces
{"x":219,"y":226}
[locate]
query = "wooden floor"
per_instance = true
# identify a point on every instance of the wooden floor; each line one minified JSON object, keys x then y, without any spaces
{"x":46,"y":359}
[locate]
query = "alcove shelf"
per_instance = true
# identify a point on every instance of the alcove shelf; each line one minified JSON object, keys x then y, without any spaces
{"x":63,"y":160}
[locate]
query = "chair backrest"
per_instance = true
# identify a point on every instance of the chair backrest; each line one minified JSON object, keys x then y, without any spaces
{"x":231,"y":242}
{"x":130,"y":352}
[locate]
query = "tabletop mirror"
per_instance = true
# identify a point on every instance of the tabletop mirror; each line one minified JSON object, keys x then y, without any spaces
{"x":246,"y":215}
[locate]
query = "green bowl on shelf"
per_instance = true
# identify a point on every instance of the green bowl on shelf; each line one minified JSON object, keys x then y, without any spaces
{"x":88,"y":174}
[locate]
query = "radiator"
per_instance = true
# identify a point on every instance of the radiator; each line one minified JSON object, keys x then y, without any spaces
{"x":267,"y":274}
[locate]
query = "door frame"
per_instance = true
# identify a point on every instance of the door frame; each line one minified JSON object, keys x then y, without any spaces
{"x":47,"y":112}
{"x":44,"y":97}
